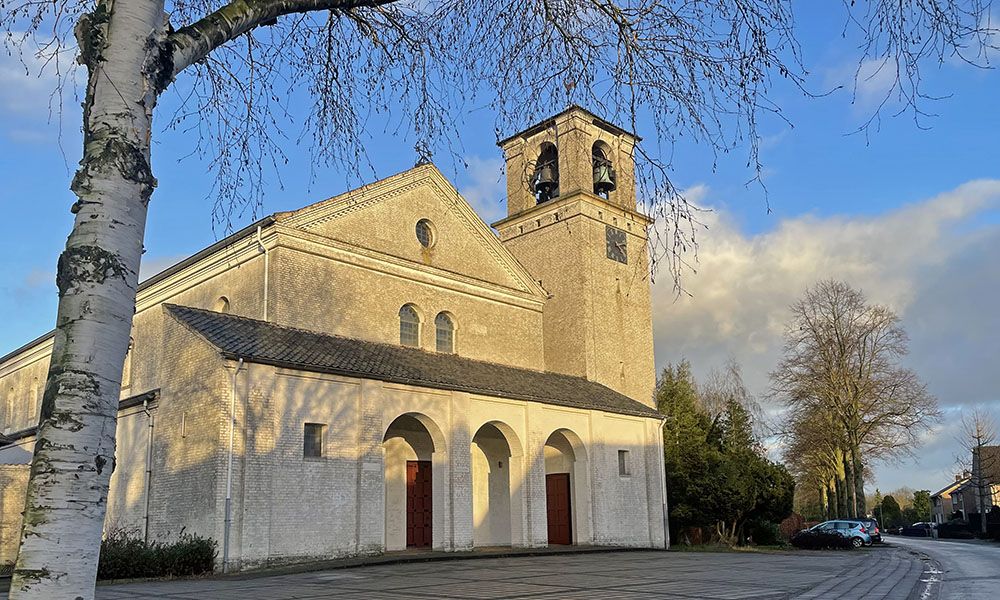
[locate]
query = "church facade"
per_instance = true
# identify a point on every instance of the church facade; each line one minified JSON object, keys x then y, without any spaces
{"x":382,"y":371}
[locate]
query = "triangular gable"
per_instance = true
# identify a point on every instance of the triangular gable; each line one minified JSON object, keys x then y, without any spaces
{"x":382,"y":217}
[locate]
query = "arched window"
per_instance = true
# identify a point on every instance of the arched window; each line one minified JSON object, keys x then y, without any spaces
{"x":222,"y":305}
{"x":445,"y":333}
{"x":604,"y":172}
{"x":409,"y":326}
{"x":545,"y":182}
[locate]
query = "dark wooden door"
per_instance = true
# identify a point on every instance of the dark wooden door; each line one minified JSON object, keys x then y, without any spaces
{"x":558,"y":508}
{"x":419,"y":505}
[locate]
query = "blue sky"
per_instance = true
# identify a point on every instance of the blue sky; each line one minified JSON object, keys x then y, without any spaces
{"x":910,"y":215}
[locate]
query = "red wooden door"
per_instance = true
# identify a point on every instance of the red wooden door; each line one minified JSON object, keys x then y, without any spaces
{"x":558,"y":508}
{"x":419,"y":506}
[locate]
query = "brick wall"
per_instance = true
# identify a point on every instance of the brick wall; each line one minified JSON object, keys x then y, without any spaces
{"x":13,"y":487}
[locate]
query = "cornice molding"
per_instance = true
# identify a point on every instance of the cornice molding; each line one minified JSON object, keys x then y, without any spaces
{"x":567,"y":209}
{"x":27,"y":356}
{"x":239,"y":252}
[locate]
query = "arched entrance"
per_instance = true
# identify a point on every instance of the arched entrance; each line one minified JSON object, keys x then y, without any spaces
{"x":567,"y":485}
{"x":497,"y":479}
{"x":412,"y":446}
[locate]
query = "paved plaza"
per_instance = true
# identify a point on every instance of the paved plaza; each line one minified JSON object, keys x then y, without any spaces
{"x":882,"y":573}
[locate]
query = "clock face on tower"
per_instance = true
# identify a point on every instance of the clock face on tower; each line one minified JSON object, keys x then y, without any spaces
{"x":617,"y":244}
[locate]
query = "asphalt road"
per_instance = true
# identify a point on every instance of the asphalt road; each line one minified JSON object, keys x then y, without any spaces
{"x":970,"y":569}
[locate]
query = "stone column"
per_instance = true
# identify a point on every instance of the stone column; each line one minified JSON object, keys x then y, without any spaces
{"x":371,"y":470}
{"x":460,"y":442}
{"x":536,"y":534}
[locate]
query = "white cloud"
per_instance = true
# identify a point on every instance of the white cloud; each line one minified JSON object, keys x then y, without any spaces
{"x":28,"y":91}
{"x":39,"y":278}
{"x":485,"y":187}
{"x":933,"y":262}
{"x":155,"y":264}
{"x":870,"y":81}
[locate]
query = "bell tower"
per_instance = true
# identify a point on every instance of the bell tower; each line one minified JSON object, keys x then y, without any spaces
{"x":572,"y":222}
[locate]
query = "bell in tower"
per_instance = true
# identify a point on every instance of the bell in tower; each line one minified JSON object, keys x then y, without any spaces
{"x":604,"y":172}
{"x":545,"y":182}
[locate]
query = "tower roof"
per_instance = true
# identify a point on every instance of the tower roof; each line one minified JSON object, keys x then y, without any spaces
{"x":550,"y":121}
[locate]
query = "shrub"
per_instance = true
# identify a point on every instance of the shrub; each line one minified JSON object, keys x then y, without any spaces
{"x":959,"y":531}
{"x":993,"y":531}
{"x":124,"y":556}
{"x":819,"y":540}
{"x":793,"y":524}
{"x":764,"y":533}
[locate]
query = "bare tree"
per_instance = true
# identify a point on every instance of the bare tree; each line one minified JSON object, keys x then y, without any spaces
{"x":981,"y":457}
{"x":726,"y":385}
{"x":841,"y":359}
{"x":702,"y":69}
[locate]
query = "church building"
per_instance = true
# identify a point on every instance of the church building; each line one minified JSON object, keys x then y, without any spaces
{"x":382,"y":371}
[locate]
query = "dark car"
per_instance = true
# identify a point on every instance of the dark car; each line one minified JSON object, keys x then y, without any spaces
{"x":921,"y":529}
{"x":873,"y":529}
{"x":853,"y":530}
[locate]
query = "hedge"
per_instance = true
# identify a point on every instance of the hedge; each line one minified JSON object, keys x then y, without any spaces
{"x":819,"y":540}
{"x":124,"y":556}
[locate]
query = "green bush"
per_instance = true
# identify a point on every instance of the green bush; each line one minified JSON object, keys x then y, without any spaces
{"x":124,"y":556}
{"x":959,"y":531}
{"x":764,"y":533}
{"x":819,"y":540}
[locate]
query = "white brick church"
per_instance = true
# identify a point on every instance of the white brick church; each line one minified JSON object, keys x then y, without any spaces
{"x":381,"y":371}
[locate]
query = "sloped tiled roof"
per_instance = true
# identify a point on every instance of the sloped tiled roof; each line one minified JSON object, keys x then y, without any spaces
{"x":951,"y":487}
{"x":268,"y":343}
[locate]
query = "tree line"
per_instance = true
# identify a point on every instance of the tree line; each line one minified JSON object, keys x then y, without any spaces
{"x":902,"y":508}
{"x":848,"y":402}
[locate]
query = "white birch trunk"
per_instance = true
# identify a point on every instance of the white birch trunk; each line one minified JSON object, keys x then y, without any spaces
{"x":131,"y":57}
{"x":97,"y":278}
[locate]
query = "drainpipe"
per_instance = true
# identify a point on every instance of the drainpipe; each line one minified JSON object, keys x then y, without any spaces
{"x":263,"y":250}
{"x":229,"y":471}
{"x":149,"y":466}
{"x":663,"y":485}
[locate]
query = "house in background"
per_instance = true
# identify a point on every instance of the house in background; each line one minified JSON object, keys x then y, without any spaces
{"x":382,"y":370}
{"x":974,"y":492}
{"x":951,"y":500}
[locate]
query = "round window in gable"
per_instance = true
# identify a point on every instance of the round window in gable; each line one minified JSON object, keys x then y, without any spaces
{"x":425,"y":233}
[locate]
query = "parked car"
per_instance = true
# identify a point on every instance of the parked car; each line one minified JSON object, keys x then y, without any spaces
{"x":851,"y":530}
{"x":873,"y":529}
{"x":920,"y":529}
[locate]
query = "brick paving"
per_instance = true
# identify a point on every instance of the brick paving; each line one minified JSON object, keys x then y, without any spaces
{"x":878,"y":573}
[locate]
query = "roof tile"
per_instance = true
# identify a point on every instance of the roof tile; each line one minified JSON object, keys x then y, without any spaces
{"x":268,"y":343}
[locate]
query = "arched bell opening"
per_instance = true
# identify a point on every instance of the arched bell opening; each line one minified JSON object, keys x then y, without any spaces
{"x":497,"y":481}
{"x":605,"y":180}
{"x":414,"y":459}
{"x":545,"y":181}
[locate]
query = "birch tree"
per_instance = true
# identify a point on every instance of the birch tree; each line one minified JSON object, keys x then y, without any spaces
{"x":702,"y":69}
